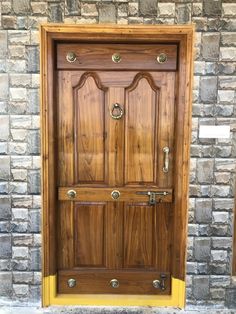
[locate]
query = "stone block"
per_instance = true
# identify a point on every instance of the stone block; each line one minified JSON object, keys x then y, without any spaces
{"x":221,"y":242}
{"x":21,"y":6}
{"x":5,"y":207}
{"x":220,"y":217}
{"x":21,"y":290}
{"x":218,"y":294}
{"x":6,"y":284}
{"x":18,"y":94}
{"x":33,"y":142}
{"x":222,"y":177}
{"x":5,"y":265}
{"x":219,"y":230}
{"x":210,"y":46}
{"x":21,"y":121}
{"x":21,"y":201}
{"x":219,"y":256}
{"x":4,"y":167}
{"x":19,"y":135}
{"x":197,"y":9}
{"x":3,"y":44}
{"x":34,"y":220}
{"x":224,"y":152}
{"x":225,"y":165}
{"x":227,"y":82}
{"x":201,"y":288}
{"x":230,"y":300}
{"x":203,"y":210}
{"x":39,"y":8}
{"x":22,"y":277}
{"x":166,"y":9}
{"x":183,"y":13}
{"x":227,"y":54}
{"x":5,"y":247}
{"x":9,"y":22}
{"x":107,"y":13}
{"x":16,"y":66}
{"x":220,"y":191}
{"x":202,"y":247}
{"x":133,"y":9}
{"x":4,"y":86}
{"x":90,"y":9}
{"x":32,"y":59}
{"x":228,"y":39}
{"x":226,"y":68}
{"x":16,"y":148}
{"x":208,"y":89}
{"x":35,"y":259}
{"x":148,"y":7}
{"x":4,"y":127}
{"x":34,"y":182}
{"x":19,"y":264}
{"x":55,"y":13}
{"x":33,"y":100}
{"x":212,"y":7}
{"x":205,"y":170}
{"x":20,"y":80}
{"x":229,"y":9}
{"x":203,"y":268}
{"x":22,"y":239}
{"x":18,"y":37}
{"x":226,"y":96}
{"x":71,"y":7}
{"x":220,"y":281}
{"x":20,"y":214}
{"x":224,"y":110}
{"x":18,"y":187}
{"x":20,"y":252}
{"x":21,"y":162}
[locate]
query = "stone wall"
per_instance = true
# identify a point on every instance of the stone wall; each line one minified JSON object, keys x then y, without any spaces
{"x":212,"y":162}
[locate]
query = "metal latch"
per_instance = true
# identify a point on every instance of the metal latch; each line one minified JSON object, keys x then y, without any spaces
{"x":152,"y":196}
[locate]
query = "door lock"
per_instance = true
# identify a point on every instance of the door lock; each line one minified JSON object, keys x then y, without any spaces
{"x":152,"y":196}
{"x":160,"y":284}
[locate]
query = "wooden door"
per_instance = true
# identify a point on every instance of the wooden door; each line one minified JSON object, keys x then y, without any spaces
{"x":115,"y":168}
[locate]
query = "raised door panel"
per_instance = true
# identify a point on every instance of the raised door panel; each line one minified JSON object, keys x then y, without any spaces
{"x":141,"y":131}
{"x":90,"y":237}
{"x":89,"y":128}
{"x":139,"y":226}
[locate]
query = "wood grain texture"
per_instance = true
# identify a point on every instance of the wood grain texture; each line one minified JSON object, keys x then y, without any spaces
{"x":131,"y":194}
{"x":96,"y":56}
{"x":141,"y":131}
{"x":89,"y":221}
{"x":139,"y":236}
{"x":89,"y":128}
{"x":95,"y":281}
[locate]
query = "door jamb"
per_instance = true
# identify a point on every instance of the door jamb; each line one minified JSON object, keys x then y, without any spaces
{"x":183,"y":35}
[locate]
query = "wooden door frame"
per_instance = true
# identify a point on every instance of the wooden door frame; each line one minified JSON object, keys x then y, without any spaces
{"x":183,"y":35}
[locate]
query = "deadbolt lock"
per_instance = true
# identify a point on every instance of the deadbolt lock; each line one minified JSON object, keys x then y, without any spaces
{"x":115,"y":194}
{"x":153,"y":196}
{"x":114,"y":283}
{"x":71,"y":283}
{"x":71,"y":193}
{"x":162,"y":58}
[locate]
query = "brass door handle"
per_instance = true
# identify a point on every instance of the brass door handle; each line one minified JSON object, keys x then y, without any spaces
{"x":117,"y":116}
{"x":166,"y":151}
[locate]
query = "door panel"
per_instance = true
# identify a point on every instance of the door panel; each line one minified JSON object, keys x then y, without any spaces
{"x":139,"y":226}
{"x":89,"y":234}
{"x":89,"y":128}
{"x":101,"y":238}
{"x":141,"y":131}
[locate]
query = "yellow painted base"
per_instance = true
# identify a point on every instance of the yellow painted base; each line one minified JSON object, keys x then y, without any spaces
{"x":50,"y":296}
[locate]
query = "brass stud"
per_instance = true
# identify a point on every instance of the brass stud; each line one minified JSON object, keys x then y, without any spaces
{"x":71,"y":57}
{"x":162,"y":58}
{"x":114,"y":283}
{"x":115,"y":194}
{"x":116,"y":57}
{"x":71,"y":193}
{"x":71,"y":283}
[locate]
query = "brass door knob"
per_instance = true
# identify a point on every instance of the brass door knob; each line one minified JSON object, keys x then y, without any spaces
{"x":71,"y":193}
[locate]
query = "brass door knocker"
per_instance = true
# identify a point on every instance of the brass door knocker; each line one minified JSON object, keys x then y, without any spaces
{"x":116,"y":112}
